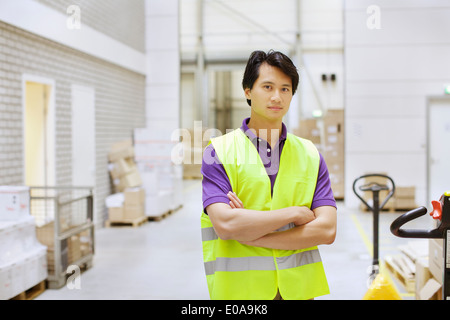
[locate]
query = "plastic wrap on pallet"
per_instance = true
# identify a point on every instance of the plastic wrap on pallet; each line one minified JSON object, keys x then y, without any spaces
{"x":23,"y":262}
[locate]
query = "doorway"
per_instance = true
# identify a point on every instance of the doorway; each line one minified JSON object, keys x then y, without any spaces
{"x":39,"y":131}
{"x":438,"y":158}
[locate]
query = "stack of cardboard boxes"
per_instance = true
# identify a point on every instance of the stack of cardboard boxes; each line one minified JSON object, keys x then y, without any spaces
{"x":433,"y":282}
{"x":127,"y":206}
{"x":333,"y":149}
{"x":127,"y":183}
{"x":405,"y":198}
{"x":309,"y":129}
{"x":328,"y":136}
{"x":122,"y":168}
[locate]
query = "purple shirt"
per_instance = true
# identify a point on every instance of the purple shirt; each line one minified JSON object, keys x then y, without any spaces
{"x":216,"y":183}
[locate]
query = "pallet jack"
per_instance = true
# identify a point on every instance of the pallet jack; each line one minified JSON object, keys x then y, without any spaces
{"x":375,"y":188}
{"x":441,"y":213}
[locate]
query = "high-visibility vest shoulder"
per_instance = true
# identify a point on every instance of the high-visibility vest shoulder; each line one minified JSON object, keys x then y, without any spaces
{"x":237,"y":271}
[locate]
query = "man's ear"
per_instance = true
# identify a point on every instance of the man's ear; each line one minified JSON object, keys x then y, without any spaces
{"x":248,"y":93}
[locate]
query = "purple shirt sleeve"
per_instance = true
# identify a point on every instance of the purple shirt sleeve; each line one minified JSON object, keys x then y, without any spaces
{"x":215,"y":180}
{"x":216,"y":183}
{"x":323,"y":195}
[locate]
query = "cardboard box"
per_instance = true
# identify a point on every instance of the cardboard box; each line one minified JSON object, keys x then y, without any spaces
{"x":74,"y":249}
{"x":46,"y":234}
{"x":120,"y":167}
{"x":436,"y":258}
{"x":131,"y":179}
{"x":308,"y":129}
{"x":431,"y":290}
{"x":134,"y":196}
{"x":133,"y":211}
{"x":405,"y":192}
{"x":404,"y":203}
{"x":333,"y":123}
{"x":121,"y":150}
{"x":192,"y":171}
{"x":115,"y":214}
{"x":422,"y":274}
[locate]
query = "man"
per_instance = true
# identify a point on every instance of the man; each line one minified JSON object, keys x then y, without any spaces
{"x":267,"y":197}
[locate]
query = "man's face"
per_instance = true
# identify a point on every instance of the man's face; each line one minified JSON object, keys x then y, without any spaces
{"x":271,"y":94}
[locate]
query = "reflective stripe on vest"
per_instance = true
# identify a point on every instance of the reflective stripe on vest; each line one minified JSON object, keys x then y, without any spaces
{"x":256,"y":263}
{"x":237,"y":271}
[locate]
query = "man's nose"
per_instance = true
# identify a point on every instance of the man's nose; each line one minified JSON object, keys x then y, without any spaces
{"x":276,"y":96}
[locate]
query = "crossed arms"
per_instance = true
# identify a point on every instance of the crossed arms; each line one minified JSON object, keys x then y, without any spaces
{"x":257,"y":228}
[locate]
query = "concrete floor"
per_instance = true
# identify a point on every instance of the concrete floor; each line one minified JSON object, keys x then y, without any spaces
{"x":163,"y":260}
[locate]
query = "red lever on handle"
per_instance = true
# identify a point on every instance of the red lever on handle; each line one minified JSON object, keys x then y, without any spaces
{"x":437,"y":210}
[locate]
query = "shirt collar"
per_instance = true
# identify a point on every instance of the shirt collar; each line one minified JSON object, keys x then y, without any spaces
{"x":249,"y":133}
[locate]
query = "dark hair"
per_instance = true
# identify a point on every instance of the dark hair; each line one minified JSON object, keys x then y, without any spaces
{"x":273,"y":58}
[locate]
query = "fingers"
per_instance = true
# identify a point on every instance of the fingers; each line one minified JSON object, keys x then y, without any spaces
{"x":235,"y":202}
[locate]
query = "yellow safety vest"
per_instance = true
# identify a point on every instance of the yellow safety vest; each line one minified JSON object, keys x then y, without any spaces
{"x":237,"y":271}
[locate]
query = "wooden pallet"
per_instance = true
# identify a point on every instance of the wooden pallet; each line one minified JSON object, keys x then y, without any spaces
{"x":126,"y":222}
{"x":31,"y":293}
{"x":163,"y":215}
{"x":399,"y":268}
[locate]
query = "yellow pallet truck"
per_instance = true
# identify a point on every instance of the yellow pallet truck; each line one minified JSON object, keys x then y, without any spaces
{"x":441,"y":212}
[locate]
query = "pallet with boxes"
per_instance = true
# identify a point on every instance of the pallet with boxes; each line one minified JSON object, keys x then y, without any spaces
{"x":23,"y":263}
{"x":127,"y":207}
{"x":418,"y":268}
{"x":148,"y":184}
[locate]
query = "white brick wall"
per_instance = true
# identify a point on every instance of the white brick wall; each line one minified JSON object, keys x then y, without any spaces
{"x":122,"y":20}
{"x":120,"y":104}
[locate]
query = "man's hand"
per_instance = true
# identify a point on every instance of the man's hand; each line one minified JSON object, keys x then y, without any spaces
{"x":235,"y":202}
{"x":305,"y":215}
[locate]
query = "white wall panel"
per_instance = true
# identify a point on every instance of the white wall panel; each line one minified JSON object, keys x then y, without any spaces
{"x":398,"y":26}
{"x":391,"y":89}
{"x":162,"y":37}
{"x":392,"y":106}
{"x":162,"y":67}
{"x":385,"y":135}
{"x":396,"y":4}
{"x":407,"y":63}
{"x":389,"y":73}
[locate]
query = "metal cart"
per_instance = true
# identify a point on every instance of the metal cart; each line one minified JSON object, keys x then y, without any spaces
{"x":64,"y":223}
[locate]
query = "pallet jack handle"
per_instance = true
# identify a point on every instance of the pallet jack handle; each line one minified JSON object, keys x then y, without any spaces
{"x":375,"y":188}
{"x":413,"y":233}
